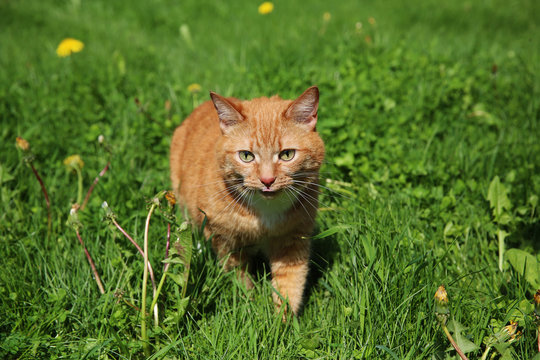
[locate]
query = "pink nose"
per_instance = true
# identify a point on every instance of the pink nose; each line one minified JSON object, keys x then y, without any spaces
{"x":268,"y":181}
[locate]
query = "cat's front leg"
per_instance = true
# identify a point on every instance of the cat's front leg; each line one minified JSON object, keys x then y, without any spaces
{"x":233,"y":259}
{"x":289,"y":261}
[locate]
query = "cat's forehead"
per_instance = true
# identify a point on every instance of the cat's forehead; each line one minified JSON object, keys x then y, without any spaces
{"x":265,"y":109}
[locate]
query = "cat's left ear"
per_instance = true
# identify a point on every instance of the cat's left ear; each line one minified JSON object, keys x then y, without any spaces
{"x":304,"y":109}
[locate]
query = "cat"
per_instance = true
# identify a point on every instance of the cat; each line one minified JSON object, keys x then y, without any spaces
{"x":252,"y":168}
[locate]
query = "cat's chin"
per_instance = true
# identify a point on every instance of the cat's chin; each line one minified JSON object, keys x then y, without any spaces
{"x":269,"y":194}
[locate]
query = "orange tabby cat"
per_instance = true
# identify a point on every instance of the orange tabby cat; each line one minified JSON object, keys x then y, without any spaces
{"x":253,"y":168}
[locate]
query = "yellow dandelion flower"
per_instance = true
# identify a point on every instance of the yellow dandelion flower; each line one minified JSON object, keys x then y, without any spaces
{"x":194,"y":88}
{"x":327,"y":16}
{"x":371,"y":20}
{"x":266,"y":8}
{"x":69,"y":46}
{"x":73,"y":162}
{"x":22,"y":144}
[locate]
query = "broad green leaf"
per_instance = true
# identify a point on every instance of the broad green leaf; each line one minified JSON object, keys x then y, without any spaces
{"x":4,"y":175}
{"x":177,"y":278}
{"x":526,"y":265}
{"x":182,"y":247}
{"x":503,"y":349}
{"x":465,"y":344}
{"x":181,"y":306}
{"x":498,"y":198}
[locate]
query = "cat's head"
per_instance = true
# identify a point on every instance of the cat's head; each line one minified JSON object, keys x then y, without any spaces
{"x":270,"y":149}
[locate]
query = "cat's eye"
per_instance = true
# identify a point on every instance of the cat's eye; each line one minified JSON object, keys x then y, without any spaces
{"x":287,"y":155}
{"x":246,"y":156}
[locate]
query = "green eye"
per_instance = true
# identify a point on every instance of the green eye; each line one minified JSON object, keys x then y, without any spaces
{"x":287,"y":155}
{"x":246,"y":156}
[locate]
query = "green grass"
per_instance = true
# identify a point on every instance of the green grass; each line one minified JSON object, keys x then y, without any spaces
{"x":419,"y":112}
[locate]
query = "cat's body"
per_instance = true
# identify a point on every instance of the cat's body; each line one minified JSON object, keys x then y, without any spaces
{"x":252,"y":167}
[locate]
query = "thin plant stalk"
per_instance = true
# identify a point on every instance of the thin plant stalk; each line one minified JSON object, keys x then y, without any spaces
{"x":93,"y":185}
{"x":80,"y":184}
{"x":485,"y":354}
{"x":160,"y":285}
{"x":150,"y":270}
{"x":165,"y":266}
{"x":501,"y":249}
{"x":144,"y":335}
{"x":45,"y":194}
{"x":454,"y":344}
{"x":94,"y":270}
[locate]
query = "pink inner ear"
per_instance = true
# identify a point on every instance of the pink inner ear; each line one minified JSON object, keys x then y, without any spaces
{"x":304,"y":109}
{"x":227,"y":113}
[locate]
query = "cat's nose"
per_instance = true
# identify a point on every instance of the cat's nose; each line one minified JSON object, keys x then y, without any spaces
{"x":268,"y":181}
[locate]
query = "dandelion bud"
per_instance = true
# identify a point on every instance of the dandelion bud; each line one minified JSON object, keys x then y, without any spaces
{"x":170,"y":198}
{"x":73,"y":218}
{"x":441,"y":304}
{"x":510,"y":329}
{"x":515,"y":337}
{"x":22,"y":144}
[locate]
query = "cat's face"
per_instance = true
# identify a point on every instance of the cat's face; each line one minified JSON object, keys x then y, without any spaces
{"x":270,"y":151}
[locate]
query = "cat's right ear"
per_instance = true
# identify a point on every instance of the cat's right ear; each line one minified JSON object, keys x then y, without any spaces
{"x":227,"y":113}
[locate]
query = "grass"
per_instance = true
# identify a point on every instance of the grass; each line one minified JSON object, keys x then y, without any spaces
{"x":422,"y":106}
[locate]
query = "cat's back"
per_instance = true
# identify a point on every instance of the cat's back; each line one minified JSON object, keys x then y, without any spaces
{"x":193,"y":142}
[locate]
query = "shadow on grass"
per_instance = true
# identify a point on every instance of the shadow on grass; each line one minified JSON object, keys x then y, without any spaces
{"x":323,"y":253}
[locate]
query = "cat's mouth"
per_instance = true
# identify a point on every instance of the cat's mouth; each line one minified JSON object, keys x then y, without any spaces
{"x":268,"y":193}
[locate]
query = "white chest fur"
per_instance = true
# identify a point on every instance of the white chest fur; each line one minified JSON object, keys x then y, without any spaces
{"x":273,"y":210}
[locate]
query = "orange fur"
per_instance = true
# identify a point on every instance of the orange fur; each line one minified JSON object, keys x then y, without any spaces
{"x":268,"y":204}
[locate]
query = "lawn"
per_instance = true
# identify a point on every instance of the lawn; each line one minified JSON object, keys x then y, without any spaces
{"x":430,"y":112}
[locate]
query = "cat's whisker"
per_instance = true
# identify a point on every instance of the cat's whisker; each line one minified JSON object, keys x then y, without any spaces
{"x":313,"y":201}
{"x":289,"y":190}
{"x":228,"y":189}
{"x":322,"y":186}
{"x":309,"y":197}
{"x":236,"y":198}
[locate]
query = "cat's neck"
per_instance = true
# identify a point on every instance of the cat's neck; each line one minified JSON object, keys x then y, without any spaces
{"x":273,"y":210}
